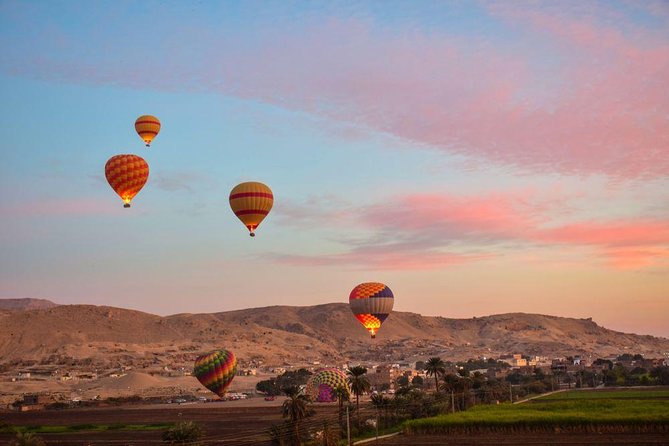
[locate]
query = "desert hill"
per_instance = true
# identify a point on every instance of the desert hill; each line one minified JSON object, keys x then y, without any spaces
{"x":107,"y":337}
{"x":25,"y":304}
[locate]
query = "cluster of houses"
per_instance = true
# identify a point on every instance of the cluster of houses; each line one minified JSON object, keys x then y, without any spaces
{"x":389,"y":376}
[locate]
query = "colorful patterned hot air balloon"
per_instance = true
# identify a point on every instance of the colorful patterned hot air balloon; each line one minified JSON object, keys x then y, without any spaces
{"x":216,"y":370}
{"x":147,"y":127}
{"x":371,"y":304}
{"x":251,"y":202}
{"x":127,"y":175}
{"x":321,"y":385}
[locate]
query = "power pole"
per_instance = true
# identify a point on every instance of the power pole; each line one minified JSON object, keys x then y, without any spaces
{"x":452,"y":402}
{"x":510,"y":392}
{"x":348,"y":427}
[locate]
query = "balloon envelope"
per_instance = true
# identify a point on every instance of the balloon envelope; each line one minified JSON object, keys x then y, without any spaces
{"x":147,"y":128}
{"x":216,"y":370}
{"x":371,"y":303}
{"x":127,"y":175}
{"x":251,"y":202}
{"x":321,"y":385}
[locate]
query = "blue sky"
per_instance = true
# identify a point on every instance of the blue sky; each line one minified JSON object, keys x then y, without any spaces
{"x":478,"y":157}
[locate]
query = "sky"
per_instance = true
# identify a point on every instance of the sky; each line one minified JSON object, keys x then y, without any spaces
{"x":477,"y":157}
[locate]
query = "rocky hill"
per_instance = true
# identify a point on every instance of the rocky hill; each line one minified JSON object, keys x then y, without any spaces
{"x":282,"y":335}
{"x":25,"y":304}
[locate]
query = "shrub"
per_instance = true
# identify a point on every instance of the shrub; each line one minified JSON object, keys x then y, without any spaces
{"x":185,"y":432}
{"x":26,"y":439}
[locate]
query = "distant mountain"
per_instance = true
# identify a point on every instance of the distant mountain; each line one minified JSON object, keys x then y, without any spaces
{"x":25,"y":304}
{"x":283,"y":335}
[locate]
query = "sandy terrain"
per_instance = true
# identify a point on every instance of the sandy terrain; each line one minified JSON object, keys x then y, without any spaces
{"x":133,"y":383}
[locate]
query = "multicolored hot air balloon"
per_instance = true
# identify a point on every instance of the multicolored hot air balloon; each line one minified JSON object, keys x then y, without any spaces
{"x":127,"y":175}
{"x":371,"y":303}
{"x":216,"y":370}
{"x":321,"y":385}
{"x":251,"y":202}
{"x":147,"y":128}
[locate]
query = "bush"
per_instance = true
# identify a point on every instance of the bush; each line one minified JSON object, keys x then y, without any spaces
{"x":26,"y":439}
{"x":186,"y":432}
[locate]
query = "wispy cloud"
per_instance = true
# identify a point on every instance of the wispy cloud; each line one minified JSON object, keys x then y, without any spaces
{"x":580,"y":95}
{"x":57,"y":208}
{"x":171,"y":181}
{"x":427,"y":231}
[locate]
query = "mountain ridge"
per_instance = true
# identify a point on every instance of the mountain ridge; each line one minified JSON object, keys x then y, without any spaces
{"x":284,"y":335}
{"x":26,"y":303}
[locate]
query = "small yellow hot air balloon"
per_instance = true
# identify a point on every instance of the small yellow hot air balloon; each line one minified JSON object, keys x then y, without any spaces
{"x":127,"y":175}
{"x":147,"y":128}
{"x":251,"y":202}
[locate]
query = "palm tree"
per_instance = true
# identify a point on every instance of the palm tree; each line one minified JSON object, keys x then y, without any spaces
{"x":295,"y":408}
{"x":379,"y":402}
{"x":26,"y":439}
{"x":342,"y":394}
{"x":185,"y":432}
{"x":359,"y":385}
{"x":435,"y":367}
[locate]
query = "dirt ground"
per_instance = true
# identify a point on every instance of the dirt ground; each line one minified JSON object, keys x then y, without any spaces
{"x":232,"y":422}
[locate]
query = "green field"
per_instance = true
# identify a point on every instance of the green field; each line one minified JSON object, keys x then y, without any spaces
{"x":638,"y":411}
{"x":607,"y":394}
{"x":58,"y":429}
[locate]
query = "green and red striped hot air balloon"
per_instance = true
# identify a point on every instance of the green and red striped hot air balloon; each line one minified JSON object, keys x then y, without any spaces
{"x":216,"y":370}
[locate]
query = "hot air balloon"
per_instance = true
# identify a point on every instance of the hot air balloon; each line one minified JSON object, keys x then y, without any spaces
{"x":147,"y":127}
{"x":251,"y":202}
{"x":321,"y":385}
{"x":371,"y":303}
{"x":126,"y":174}
{"x":216,"y":370}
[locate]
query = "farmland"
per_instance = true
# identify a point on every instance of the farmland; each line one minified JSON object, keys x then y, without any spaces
{"x":619,"y":416}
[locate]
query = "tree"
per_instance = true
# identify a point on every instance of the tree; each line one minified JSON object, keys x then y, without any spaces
{"x":359,"y":385}
{"x":295,"y":408}
{"x":342,"y":395}
{"x":379,"y":402}
{"x":417,"y":381}
{"x":435,"y":367}
{"x":26,"y":439}
{"x":403,"y":381}
{"x":661,"y":375}
{"x":185,"y":432}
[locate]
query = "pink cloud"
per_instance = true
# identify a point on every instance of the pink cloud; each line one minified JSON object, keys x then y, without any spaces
{"x":427,"y":231}
{"x":635,"y":257}
{"x":609,"y":234}
{"x":384,"y":258}
{"x":577,"y":96}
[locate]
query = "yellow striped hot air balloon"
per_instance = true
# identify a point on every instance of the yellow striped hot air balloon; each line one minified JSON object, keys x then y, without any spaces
{"x":251,"y":202}
{"x":127,"y":175}
{"x":147,"y":128}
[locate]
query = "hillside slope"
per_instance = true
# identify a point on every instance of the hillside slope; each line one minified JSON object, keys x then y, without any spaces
{"x":25,"y":304}
{"x":283,"y":335}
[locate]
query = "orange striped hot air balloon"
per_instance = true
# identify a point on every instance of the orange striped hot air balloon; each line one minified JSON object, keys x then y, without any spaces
{"x":127,"y":175}
{"x":147,"y":127}
{"x":251,"y":202}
